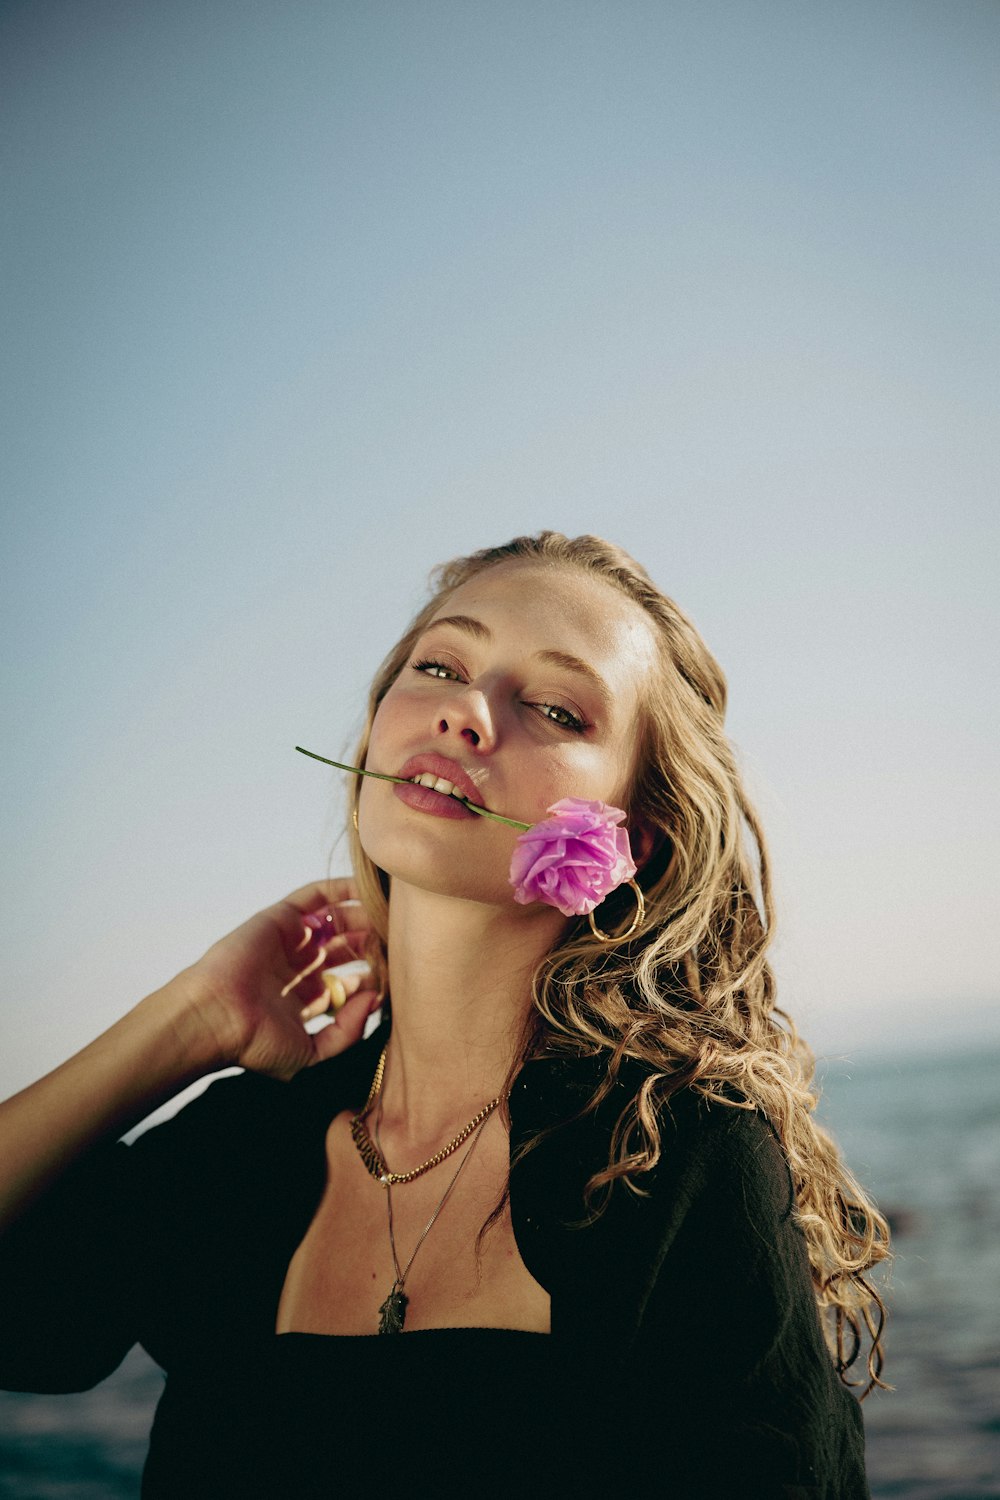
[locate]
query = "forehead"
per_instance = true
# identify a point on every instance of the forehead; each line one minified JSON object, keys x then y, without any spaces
{"x":535,"y":607}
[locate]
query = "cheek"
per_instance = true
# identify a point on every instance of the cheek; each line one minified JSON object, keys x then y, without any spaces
{"x":376,"y":736}
{"x":589,"y":776}
{"x":385,"y":729}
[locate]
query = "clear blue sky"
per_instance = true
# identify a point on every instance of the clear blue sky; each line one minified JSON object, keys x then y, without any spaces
{"x":301,"y":297}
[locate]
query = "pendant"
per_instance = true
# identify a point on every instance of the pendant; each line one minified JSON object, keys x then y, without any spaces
{"x":392,"y":1313}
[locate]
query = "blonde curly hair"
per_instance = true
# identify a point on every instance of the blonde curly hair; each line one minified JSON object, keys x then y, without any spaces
{"x":691,"y":994}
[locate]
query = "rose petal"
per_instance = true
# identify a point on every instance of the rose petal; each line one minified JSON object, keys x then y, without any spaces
{"x":573,"y":858}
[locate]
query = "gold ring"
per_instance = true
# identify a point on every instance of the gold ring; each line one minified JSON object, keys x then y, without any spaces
{"x":336,"y":992}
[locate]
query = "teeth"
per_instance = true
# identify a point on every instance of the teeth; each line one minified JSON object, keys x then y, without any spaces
{"x":437,"y":784}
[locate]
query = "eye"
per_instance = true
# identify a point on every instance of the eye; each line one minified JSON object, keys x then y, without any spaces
{"x":556,"y":714}
{"x":436,"y":669}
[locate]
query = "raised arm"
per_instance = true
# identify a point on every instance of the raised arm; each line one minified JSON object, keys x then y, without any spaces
{"x":244,"y":1003}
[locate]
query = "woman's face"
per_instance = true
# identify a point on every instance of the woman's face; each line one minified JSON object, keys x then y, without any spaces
{"x":526,"y":687}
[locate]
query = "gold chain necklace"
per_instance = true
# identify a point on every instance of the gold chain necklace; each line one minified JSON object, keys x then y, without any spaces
{"x":392,"y":1313}
{"x":372,"y":1156}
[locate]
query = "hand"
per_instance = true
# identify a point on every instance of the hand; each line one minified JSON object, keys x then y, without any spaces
{"x":255,"y":989}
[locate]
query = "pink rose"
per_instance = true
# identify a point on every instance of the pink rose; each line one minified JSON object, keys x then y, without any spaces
{"x":573,"y":858}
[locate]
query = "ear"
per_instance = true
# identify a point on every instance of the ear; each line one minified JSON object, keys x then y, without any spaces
{"x":645,"y":840}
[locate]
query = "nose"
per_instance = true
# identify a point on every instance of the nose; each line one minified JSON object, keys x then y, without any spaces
{"x":467,"y":714}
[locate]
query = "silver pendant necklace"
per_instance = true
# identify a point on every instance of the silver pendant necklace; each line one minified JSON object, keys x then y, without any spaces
{"x":392,"y":1313}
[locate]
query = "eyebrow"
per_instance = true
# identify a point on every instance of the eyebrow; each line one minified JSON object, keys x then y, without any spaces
{"x":468,"y":623}
{"x":563,"y":659}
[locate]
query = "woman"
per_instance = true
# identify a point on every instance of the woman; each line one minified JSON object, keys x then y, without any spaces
{"x":575,"y":1164}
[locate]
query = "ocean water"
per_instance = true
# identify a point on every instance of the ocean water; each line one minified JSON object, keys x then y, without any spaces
{"x":924,"y":1137}
{"x":922,"y":1134}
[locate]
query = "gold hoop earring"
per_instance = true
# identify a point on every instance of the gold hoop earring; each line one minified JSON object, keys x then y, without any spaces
{"x":619,"y":937}
{"x":354,"y":818}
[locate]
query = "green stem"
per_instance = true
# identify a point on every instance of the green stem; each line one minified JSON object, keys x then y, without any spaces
{"x":483,"y":812}
{"x":341,"y":767}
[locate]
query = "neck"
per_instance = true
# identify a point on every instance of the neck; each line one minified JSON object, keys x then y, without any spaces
{"x":461,"y":993}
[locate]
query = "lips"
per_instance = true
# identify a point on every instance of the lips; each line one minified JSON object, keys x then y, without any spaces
{"x":444,"y":770}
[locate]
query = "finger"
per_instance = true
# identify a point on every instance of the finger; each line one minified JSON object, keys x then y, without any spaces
{"x":291,"y":922}
{"x":320,"y":893}
{"x":318,"y":944}
{"x":338,"y":920}
{"x":342,"y":944}
{"x":348,"y":1027}
{"x":317,"y":962}
{"x":306,"y":994}
{"x":336,"y":897}
{"x":336,"y":990}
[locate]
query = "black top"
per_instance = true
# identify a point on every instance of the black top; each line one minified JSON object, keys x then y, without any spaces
{"x":686,"y":1352}
{"x":450,"y":1412}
